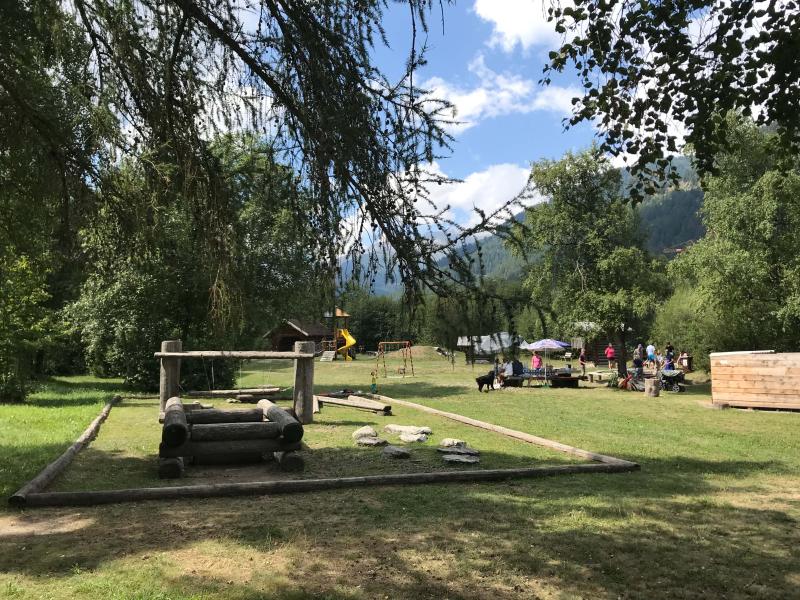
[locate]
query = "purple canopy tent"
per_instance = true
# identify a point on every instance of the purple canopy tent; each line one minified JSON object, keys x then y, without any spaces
{"x":546,"y":344}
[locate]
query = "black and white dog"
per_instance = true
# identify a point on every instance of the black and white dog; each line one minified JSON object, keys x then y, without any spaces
{"x":485,"y":380}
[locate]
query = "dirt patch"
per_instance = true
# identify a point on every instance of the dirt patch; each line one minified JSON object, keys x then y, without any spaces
{"x":26,"y":525}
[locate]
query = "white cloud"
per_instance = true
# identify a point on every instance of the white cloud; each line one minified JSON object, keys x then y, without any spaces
{"x":498,"y":94}
{"x":517,"y":22}
{"x":487,"y":190}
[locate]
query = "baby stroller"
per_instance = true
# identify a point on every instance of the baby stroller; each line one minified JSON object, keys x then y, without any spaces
{"x":673,"y":381}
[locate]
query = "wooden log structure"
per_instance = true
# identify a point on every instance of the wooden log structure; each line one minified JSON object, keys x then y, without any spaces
{"x":215,"y":415}
{"x":261,"y":488}
{"x":756,"y":379}
{"x":170,"y":374}
{"x":215,"y":432}
{"x":223,"y":448}
{"x":356,"y":402}
{"x":55,"y":468}
{"x":289,"y":462}
{"x":176,"y":429}
{"x":266,"y":391}
{"x":291,"y":430}
{"x":304,"y":381}
{"x":652,"y":387}
{"x":170,"y":468}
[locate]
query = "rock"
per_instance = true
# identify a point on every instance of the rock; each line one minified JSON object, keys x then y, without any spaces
{"x":463,"y":450}
{"x":413,"y":437}
{"x":407,"y":429}
{"x":451,"y":442}
{"x":365,"y":431}
{"x":461,"y":458}
{"x":396,"y":452}
{"x":371,"y":441}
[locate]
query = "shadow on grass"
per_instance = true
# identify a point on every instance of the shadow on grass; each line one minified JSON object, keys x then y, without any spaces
{"x":57,"y":393}
{"x":622,"y":535}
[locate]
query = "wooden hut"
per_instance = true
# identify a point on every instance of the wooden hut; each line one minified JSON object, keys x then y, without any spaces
{"x":283,"y":337}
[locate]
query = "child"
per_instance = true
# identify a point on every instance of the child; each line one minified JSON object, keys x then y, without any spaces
{"x":582,"y":362}
{"x":374,"y":385}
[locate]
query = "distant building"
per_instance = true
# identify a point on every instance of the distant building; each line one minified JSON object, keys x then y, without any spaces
{"x":283,"y":337}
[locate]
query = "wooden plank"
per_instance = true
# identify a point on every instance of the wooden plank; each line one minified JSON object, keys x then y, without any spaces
{"x":754,"y":378}
{"x":225,"y":416}
{"x":777,"y":390}
{"x":260,"y":488}
{"x":55,"y":468}
{"x":346,"y":402}
{"x":764,"y":399}
{"x":226,"y":447}
{"x":740,"y":353}
{"x":758,"y":404}
{"x":231,"y":393}
{"x":212,"y":432}
{"x":235,"y":354}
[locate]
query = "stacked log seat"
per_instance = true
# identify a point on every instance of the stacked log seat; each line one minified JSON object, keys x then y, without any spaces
{"x":214,"y":436}
{"x":756,"y":379}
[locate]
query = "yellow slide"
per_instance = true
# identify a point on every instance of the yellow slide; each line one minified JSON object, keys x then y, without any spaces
{"x":349,"y":341}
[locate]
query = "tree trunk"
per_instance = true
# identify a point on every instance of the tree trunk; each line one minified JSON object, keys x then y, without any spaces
{"x":622,"y":360}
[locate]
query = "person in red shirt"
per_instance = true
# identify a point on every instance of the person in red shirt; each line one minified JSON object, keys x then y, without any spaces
{"x":611,"y":355}
{"x":536,"y":361}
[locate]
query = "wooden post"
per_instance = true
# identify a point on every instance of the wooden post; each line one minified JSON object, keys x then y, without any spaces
{"x":304,"y":383}
{"x":652,"y":387}
{"x":170,"y":373}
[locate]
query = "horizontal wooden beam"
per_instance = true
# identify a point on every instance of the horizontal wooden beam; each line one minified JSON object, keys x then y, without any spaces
{"x":266,"y":391}
{"x":260,"y":488}
{"x":233,"y":354}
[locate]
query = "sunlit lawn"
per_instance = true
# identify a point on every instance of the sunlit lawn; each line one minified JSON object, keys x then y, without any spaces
{"x":713,"y":512}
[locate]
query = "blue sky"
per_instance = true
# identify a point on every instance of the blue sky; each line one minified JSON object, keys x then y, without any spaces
{"x":487,"y":62}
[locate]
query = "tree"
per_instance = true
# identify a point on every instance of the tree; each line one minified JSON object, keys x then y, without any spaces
{"x":646,"y":66}
{"x":593,"y":264}
{"x":173,"y":74}
{"x":745,"y":271}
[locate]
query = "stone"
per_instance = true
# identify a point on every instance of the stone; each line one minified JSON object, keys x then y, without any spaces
{"x":463,"y":450}
{"x":461,"y":458}
{"x":371,"y":441}
{"x":365,"y":431}
{"x":396,"y":452}
{"x":407,"y":429}
{"x":413,"y":437}
{"x":451,"y":442}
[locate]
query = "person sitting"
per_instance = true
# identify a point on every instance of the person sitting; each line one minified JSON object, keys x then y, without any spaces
{"x":669,"y":364}
{"x":516,"y":368}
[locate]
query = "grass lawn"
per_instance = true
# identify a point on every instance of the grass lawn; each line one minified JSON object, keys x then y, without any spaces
{"x":713,"y":513}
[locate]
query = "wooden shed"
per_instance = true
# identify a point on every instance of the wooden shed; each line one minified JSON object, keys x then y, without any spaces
{"x":283,"y":337}
{"x":756,"y":379}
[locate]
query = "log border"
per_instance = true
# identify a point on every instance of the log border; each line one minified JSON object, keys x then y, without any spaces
{"x":55,"y":468}
{"x":602,"y":464}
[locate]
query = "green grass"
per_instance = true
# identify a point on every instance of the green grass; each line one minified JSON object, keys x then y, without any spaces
{"x":713,"y":513}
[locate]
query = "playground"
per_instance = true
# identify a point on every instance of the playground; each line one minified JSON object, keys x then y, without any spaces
{"x":712,"y":512}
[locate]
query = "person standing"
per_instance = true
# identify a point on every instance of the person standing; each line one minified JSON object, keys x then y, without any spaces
{"x":582,"y":362}
{"x":536,"y":362}
{"x":651,"y":355}
{"x":611,"y":355}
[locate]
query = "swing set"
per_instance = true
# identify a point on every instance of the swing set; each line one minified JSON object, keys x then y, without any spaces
{"x":404,"y":347}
